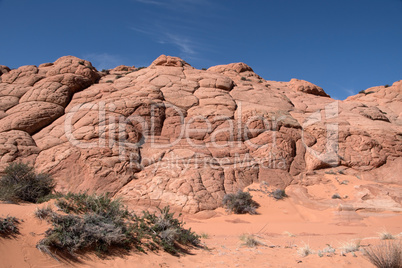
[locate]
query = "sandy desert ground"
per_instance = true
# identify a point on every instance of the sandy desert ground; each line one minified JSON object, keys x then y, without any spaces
{"x":283,"y":227}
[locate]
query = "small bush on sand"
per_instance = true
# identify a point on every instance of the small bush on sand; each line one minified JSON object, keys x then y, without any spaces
{"x":386,"y":255}
{"x":96,"y":222}
{"x":351,"y":246}
{"x":305,"y":251}
{"x":278,"y":194}
{"x":240,"y":203}
{"x":167,"y":231}
{"x":250,"y":241}
{"x":8,"y":226}
{"x":43,"y":213}
{"x":21,"y":183}
{"x":386,"y":235}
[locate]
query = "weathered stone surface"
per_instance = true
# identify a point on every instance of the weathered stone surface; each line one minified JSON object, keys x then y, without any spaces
{"x":307,"y":87}
{"x":171,"y":134}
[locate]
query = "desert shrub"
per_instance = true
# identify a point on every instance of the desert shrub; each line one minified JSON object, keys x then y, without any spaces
{"x":384,"y":235}
{"x":387,"y":86}
{"x":118,"y":76}
{"x":278,"y":194}
{"x":168,"y":231}
{"x":351,"y":246}
{"x":386,"y":255}
{"x":240,"y":203}
{"x":20,"y":182}
{"x":250,"y":241}
{"x":82,"y":203}
{"x":43,"y":213}
{"x":8,"y":226}
{"x":91,"y":231}
{"x":204,"y":69}
{"x":305,"y":251}
{"x":96,"y":222}
{"x":336,"y":196}
{"x":109,"y":81}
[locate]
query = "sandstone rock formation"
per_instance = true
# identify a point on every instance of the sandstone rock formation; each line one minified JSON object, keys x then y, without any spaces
{"x":172,"y":134}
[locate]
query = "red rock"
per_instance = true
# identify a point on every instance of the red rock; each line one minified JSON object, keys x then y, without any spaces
{"x":171,"y":134}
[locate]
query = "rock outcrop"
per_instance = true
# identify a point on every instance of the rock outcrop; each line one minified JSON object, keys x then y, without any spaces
{"x":172,"y":134}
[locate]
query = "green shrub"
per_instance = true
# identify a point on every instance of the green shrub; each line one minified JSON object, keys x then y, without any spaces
{"x":240,"y":203}
{"x":20,"y":182}
{"x":8,"y":226}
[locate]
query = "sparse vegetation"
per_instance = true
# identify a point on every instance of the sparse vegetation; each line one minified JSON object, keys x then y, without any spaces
{"x":243,"y":78}
{"x":204,"y":235}
{"x":305,"y":250}
{"x":21,"y":183}
{"x":329,"y":250}
{"x":118,"y":76}
{"x":336,"y":196}
{"x":386,"y":255}
{"x":387,"y":86}
{"x":386,"y":235}
{"x":109,"y":81}
{"x":278,"y":194}
{"x":96,"y":222}
{"x":8,"y":226}
{"x":44,"y":212}
{"x":351,"y":246}
{"x":240,"y":203}
{"x":289,"y":234}
{"x":250,"y":241}
{"x":204,"y":69}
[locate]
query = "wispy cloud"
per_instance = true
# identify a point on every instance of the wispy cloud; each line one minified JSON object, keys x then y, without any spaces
{"x":103,"y":60}
{"x":171,"y":24}
{"x":187,"y":47}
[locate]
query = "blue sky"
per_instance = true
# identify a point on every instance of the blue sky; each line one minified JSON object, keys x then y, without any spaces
{"x":343,"y":46}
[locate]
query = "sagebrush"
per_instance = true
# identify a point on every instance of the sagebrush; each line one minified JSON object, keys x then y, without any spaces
{"x":22,"y":183}
{"x":97,"y":222}
{"x":240,"y":203}
{"x":9,"y":226}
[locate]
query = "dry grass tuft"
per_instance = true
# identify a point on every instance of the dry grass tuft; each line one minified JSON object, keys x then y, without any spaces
{"x":250,"y":241}
{"x":305,"y":251}
{"x":384,"y":235}
{"x":386,"y":255}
